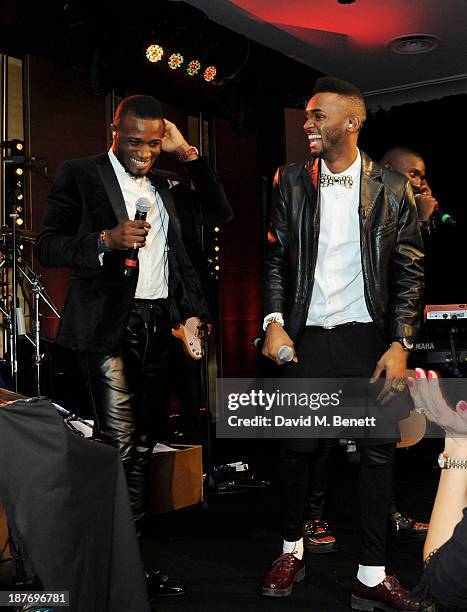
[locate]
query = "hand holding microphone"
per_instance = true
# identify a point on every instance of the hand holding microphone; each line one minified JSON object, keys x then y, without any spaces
{"x":427,"y":207}
{"x":278,"y":345}
{"x":143,"y":206}
{"x":285,"y":353}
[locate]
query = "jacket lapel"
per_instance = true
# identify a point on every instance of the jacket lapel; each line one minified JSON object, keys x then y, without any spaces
{"x":370,"y":186}
{"x":112,"y":187}
{"x":310,"y":180}
{"x":163,"y":189}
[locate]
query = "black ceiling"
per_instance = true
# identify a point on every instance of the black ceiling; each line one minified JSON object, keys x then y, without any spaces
{"x":106,"y":44}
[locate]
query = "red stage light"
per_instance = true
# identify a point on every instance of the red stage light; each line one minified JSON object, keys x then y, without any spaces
{"x":210,"y":73}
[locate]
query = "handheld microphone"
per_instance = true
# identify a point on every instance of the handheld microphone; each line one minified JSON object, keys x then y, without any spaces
{"x":443,"y":217}
{"x":439,"y":215}
{"x":143,"y":206}
{"x":285,"y":353}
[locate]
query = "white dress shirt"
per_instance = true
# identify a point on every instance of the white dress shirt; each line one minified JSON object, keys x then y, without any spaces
{"x":153,"y":263}
{"x":338,"y":293}
{"x":338,"y":290}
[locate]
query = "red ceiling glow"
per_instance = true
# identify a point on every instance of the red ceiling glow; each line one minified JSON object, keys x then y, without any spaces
{"x":367,"y":22}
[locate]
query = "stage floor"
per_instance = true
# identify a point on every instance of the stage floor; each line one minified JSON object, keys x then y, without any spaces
{"x":222,"y":553}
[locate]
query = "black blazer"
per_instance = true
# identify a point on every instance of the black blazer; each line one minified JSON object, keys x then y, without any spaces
{"x":85,"y":199}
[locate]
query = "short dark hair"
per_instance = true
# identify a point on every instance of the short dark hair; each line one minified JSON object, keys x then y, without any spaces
{"x":143,"y":107}
{"x":344,"y":89}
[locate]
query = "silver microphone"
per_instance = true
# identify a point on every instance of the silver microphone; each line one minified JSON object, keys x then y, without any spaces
{"x":285,"y":353}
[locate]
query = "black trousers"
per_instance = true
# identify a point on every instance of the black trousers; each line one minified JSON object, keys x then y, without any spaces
{"x":345,"y":351}
{"x":130,"y":395}
{"x":320,"y":467}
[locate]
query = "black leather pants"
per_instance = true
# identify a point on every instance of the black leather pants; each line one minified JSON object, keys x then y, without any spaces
{"x":130,"y":394}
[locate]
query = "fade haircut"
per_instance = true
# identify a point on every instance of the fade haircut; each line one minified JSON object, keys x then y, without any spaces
{"x":143,"y":107}
{"x":394,"y":153}
{"x":346,"y":90}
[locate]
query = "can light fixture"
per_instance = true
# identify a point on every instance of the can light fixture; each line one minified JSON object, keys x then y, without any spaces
{"x":413,"y":44}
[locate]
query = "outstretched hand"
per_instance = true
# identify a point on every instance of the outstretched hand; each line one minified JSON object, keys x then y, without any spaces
{"x":428,"y":398}
{"x":394,"y":363}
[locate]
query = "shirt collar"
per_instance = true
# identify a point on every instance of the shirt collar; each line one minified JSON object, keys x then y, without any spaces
{"x":353,"y":170}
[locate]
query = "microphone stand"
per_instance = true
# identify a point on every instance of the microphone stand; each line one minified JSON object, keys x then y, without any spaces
{"x":14,"y":330}
{"x":39,"y":292}
{"x":9,"y":330}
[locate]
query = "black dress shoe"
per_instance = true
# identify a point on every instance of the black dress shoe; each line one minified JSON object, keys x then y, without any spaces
{"x":159,"y":585}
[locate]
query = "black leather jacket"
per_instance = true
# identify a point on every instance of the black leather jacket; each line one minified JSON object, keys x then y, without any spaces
{"x":391,"y":248}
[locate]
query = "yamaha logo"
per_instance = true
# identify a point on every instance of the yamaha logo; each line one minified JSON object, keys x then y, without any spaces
{"x":425,"y":346}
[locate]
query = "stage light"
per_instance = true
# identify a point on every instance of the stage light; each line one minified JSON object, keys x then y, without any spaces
{"x":210,"y":73}
{"x":154,"y":53}
{"x":20,"y":196}
{"x":19,"y":171}
{"x":216,"y":229}
{"x":175,"y":61}
{"x":217,"y":248}
{"x":217,"y":268}
{"x":193,"y":67}
{"x":19,"y":209}
{"x":19,"y":221}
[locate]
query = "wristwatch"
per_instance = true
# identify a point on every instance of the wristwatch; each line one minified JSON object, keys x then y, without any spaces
{"x":446,"y":462}
{"x":101,"y":244}
{"x":406,"y":343}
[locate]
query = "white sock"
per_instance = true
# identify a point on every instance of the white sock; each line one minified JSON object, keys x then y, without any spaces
{"x":296,"y":548}
{"x":371,"y":575}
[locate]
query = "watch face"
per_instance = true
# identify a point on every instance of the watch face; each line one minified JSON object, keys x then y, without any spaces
{"x":408,"y":343}
{"x":441,"y":460}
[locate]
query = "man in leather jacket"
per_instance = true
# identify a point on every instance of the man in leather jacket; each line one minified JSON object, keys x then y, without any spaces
{"x":343,"y":286}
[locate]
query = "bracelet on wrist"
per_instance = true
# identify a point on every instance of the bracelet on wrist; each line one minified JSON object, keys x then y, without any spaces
{"x":188,"y":153}
{"x":273,"y":319}
{"x":446,"y":462}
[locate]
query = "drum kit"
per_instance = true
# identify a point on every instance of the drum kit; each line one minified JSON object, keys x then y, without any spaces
{"x":21,"y":292}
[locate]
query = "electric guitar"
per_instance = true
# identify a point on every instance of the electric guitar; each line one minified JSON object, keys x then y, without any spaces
{"x":192,"y":333}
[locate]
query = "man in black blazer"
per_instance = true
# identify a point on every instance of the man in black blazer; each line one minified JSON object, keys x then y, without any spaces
{"x":118,"y":313}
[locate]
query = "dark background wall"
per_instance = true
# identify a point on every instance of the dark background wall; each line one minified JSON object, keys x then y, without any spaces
{"x":78,"y":59}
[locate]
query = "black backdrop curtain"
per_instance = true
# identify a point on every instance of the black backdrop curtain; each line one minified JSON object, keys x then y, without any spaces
{"x":437,"y":130}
